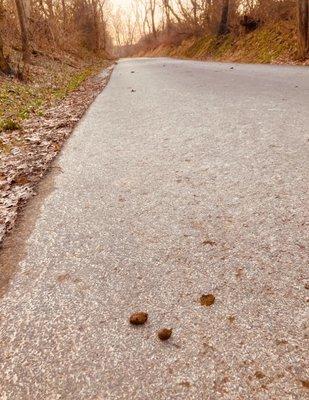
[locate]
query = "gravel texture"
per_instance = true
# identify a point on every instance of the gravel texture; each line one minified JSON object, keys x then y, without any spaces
{"x":195,"y":183}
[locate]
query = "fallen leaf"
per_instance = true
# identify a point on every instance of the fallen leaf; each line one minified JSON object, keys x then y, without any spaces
{"x":21,"y":180}
{"x":231,"y":318}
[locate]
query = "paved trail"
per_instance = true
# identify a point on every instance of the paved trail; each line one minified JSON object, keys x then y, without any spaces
{"x":195,"y":183}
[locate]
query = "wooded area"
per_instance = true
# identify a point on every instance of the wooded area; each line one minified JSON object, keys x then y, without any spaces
{"x":150,"y":23}
{"x":31,"y":27}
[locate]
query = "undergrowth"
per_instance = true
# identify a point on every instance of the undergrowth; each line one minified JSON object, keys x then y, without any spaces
{"x":48,"y":82}
{"x":268,"y":44}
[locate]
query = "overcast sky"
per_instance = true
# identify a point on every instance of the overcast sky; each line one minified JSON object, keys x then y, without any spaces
{"x":123,"y":3}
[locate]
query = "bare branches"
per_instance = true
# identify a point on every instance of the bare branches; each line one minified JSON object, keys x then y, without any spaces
{"x":170,"y":21}
{"x":56,"y":25}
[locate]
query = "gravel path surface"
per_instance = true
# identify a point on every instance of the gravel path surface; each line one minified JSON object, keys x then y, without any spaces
{"x":194,"y":183}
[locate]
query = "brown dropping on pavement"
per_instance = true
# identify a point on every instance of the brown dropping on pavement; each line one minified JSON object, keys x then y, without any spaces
{"x":138,"y":318}
{"x":207,"y":299}
{"x":259,"y":375}
{"x":305,"y":384}
{"x":63,"y":277}
{"x":165,"y":333}
{"x":209,"y":242}
{"x":185,"y":384}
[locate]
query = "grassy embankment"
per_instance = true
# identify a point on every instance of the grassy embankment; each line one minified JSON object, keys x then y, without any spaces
{"x":49,"y":81}
{"x":268,"y":44}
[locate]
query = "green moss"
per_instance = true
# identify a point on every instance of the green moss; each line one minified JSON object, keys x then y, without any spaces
{"x":19,"y":100}
{"x":75,"y":81}
{"x":9,"y":125}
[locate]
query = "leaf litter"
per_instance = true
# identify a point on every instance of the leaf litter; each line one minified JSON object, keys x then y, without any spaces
{"x":27,"y":153}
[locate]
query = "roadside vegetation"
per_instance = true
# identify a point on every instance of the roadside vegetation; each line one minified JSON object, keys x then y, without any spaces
{"x":50,"y":54}
{"x":263,"y":31}
{"x":269,"y":44}
{"x":48,"y":82}
{"x":47,"y":50}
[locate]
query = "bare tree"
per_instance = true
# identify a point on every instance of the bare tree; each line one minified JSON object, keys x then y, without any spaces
{"x":172,"y":11}
{"x":4,"y":65}
{"x":167,"y":12}
{"x":303,"y":23}
{"x":64,"y":13}
{"x":152,"y":7}
{"x":96,"y":29}
{"x":223,"y":25}
{"x":53,"y":26}
{"x":22,"y":16}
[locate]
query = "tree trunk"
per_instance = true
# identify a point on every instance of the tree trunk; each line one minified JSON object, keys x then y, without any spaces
{"x":152,"y":15}
{"x":52,"y":23}
{"x":24,"y":30}
{"x":96,"y":30}
{"x":223,"y":26}
{"x":167,"y":15}
{"x":303,"y":24}
{"x":103,"y":26}
{"x":173,"y":12}
{"x":4,"y":65}
{"x":194,"y":11}
{"x":64,"y":14}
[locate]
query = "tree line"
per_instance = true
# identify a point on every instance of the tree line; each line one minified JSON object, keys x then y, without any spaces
{"x":170,"y":21}
{"x":78,"y":26}
{"x":51,"y":26}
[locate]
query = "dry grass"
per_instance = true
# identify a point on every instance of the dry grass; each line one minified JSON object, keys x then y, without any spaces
{"x":276,"y":43}
{"x":49,"y":80}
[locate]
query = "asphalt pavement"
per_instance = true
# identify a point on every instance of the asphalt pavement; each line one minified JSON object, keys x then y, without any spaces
{"x":183,"y":179}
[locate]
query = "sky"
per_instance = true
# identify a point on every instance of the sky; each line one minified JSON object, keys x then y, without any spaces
{"x":122,"y":3}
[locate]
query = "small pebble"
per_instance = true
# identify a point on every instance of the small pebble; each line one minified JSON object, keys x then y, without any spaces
{"x":138,"y":318}
{"x":165,"y":333}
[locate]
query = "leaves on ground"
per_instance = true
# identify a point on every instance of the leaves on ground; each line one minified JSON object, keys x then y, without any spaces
{"x":27,"y":153}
